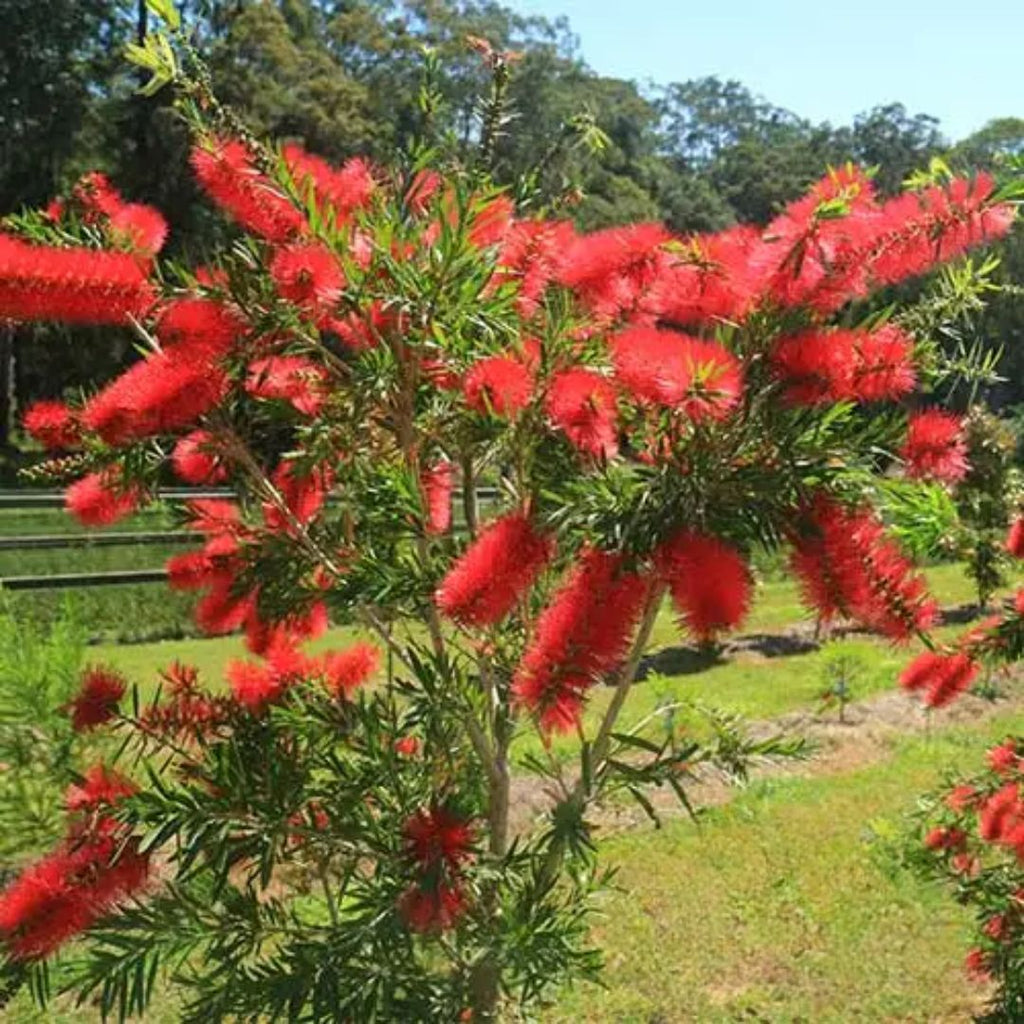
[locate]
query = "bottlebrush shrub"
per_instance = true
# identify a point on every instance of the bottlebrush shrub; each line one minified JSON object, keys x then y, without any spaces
{"x":331,"y":837}
{"x":971,"y":836}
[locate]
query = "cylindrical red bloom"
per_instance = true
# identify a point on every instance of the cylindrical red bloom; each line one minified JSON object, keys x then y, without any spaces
{"x":1005,"y":758}
{"x":199,"y":325}
{"x":675,"y":370}
{"x":941,"y":677}
{"x":195,"y":461}
{"x":342,"y":189}
{"x":53,"y":425}
{"x":308,"y":275}
{"x":531,"y":254}
{"x":883,"y":365}
{"x":976,"y":964}
{"x":73,"y":285}
{"x":1015,"y":538}
{"x":709,"y":581}
{"x":935,"y":447}
{"x":99,"y":693}
{"x":816,"y":367}
{"x":98,"y":499}
{"x":68,"y":891}
{"x":303,"y":493}
{"x":581,"y":403}
{"x":582,"y":633}
{"x":495,"y":571}
{"x":139,"y":227}
{"x":345,"y":671}
{"x":845,"y":565}
{"x":293,"y":379}
{"x":945,"y":839}
{"x":436,"y":837}
{"x":227,"y":173}
{"x":427,"y":907}
{"x":1001,"y":818}
{"x":500,"y":385}
{"x":436,"y":483}
{"x":100,"y":787}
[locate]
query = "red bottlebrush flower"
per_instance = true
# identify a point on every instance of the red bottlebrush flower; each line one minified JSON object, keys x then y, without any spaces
{"x":436,"y":484}
{"x":199,"y":325}
{"x":140,"y":228}
{"x":345,"y":671}
{"x":582,"y":633}
{"x":160,"y":394}
{"x":966,"y":864}
{"x":615,"y":270}
{"x":437,"y":837}
{"x":935,"y":447}
{"x":675,"y":370}
{"x":816,"y":367}
{"x":97,"y":196}
{"x":440,"y":375}
{"x":407,"y":746}
{"x":961,"y":798}
{"x":227,"y":173}
{"x":303,"y":494}
{"x":342,"y":189}
{"x":581,"y":403}
{"x":99,"y":693}
{"x":66,"y":892}
{"x":195,"y":461}
{"x":942,"y":677}
{"x":1002,"y":815}
{"x":421,"y":190}
{"x":99,"y":788}
{"x":491,"y":222}
{"x":946,"y":839}
{"x":73,"y":285}
{"x":262,"y":637}
{"x":214,"y":516}
{"x":845,"y":565}
{"x":98,"y":500}
{"x":53,"y":425}
{"x":531,"y":254}
{"x":293,"y":379}
{"x":708,"y":279}
{"x":883,"y":366}
{"x":1014,"y":539}
{"x":428,"y":908}
{"x":255,"y":686}
{"x":709,"y":580}
{"x":1005,"y":759}
{"x":976,"y":963}
{"x":495,"y":571}
{"x":997,"y":927}
{"x":187,"y":709}
{"x":309,"y":276}
{"x":499,"y":385}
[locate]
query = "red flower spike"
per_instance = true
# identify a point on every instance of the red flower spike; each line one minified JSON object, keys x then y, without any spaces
{"x":883,"y":365}
{"x":140,"y":228}
{"x":437,"y":837}
{"x":1005,"y":759}
{"x":935,"y":447}
{"x":699,"y":377}
{"x":343,"y":189}
{"x":71,"y":285}
{"x":199,"y":325}
{"x":582,"y":633}
{"x":817,"y":367}
{"x":195,"y":462}
{"x":53,"y":425}
{"x":304,"y":495}
{"x":98,"y":500}
{"x":709,"y":580}
{"x":581,"y":403}
{"x":99,"y":788}
{"x":428,"y":909}
{"x":227,"y":173}
{"x":345,"y":671}
{"x":495,"y":571}
{"x":531,"y":255}
{"x":99,"y":693}
{"x":1015,"y":538}
{"x":308,"y":275}
{"x":292,"y":379}
{"x":498,"y":385}
{"x":941,"y":677}
{"x":436,"y":484}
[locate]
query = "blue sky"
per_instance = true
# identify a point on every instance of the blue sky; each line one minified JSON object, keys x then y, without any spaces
{"x":960,"y":61}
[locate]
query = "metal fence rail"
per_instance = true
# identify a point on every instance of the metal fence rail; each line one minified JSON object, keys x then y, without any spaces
{"x":60,"y":581}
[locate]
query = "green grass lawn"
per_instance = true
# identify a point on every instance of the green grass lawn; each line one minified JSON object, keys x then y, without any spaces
{"x":777,"y":909}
